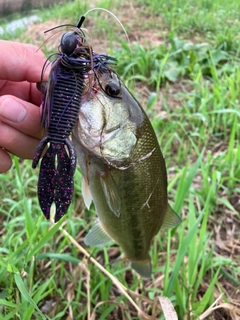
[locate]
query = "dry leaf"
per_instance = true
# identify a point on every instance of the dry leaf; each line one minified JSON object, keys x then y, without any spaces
{"x":168,"y":309}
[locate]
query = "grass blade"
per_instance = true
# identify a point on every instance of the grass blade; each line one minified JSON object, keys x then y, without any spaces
{"x":22,"y":288}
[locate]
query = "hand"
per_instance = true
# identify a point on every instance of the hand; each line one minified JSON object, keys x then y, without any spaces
{"x":20,"y":128}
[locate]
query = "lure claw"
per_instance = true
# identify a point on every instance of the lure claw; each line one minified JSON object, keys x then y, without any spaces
{"x":55,"y":182}
{"x":39,"y":150}
{"x":46,"y":181}
{"x":64,"y":181}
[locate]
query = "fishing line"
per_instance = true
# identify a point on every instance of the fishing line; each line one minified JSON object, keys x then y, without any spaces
{"x":113,"y":15}
{"x":119,"y":22}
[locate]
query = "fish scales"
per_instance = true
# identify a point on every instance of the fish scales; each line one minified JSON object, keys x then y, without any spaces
{"x":138,"y":203}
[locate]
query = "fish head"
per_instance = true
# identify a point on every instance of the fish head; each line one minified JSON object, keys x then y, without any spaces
{"x":108,"y":118}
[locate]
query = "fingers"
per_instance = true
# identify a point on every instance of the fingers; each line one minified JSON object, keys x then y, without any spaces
{"x":20,"y":62}
{"x":5,"y":161}
{"x":21,"y":68}
{"x":17,"y":142}
{"x":20,"y":129}
{"x":23,"y":90}
{"x":21,"y":116}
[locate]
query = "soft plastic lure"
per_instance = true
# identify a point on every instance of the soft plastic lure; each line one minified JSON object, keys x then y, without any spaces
{"x":70,"y":74}
{"x":62,"y":98}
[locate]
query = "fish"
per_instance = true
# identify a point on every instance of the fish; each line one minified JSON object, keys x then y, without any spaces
{"x":123,"y":169}
{"x":61,"y":103}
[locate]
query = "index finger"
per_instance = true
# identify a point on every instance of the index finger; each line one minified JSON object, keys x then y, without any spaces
{"x":20,"y":62}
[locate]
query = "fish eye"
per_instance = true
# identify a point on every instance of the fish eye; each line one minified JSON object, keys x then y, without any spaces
{"x":68,"y":43}
{"x":113,"y":89}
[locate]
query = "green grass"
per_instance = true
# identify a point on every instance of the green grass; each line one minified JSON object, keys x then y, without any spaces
{"x":192,"y":80}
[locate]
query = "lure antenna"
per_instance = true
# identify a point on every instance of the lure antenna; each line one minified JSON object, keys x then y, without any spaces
{"x":80,"y":22}
{"x":62,"y":25}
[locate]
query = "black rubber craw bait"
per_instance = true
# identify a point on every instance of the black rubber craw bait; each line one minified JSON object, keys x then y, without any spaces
{"x":62,"y":99}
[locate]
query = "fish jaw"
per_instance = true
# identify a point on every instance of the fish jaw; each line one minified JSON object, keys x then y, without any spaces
{"x":101,"y":133}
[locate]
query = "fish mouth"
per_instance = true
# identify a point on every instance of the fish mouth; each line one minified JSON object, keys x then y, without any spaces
{"x":88,"y":85}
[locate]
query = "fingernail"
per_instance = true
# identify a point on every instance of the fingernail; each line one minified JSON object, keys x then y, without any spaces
{"x":12,"y":110}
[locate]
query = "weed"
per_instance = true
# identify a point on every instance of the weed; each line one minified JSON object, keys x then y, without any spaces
{"x":189,"y":85}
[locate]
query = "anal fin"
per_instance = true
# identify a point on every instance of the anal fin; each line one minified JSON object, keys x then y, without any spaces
{"x":171,"y":219}
{"x":97,"y":236}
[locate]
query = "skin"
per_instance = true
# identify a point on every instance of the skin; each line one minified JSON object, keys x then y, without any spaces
{"x":20,"y":128}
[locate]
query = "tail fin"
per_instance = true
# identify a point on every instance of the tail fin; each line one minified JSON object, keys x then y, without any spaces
{"x":55,"y":182}
{"x":143,"y":267}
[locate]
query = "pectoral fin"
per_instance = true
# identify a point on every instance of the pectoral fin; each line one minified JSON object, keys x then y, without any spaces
{"x":111,"y":192}
{"x":97,"y":236}
{"x":171,"y":219}
{"x":86,"y":193}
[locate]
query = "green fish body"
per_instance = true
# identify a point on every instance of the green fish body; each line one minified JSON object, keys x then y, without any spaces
{"x":124,"y":171}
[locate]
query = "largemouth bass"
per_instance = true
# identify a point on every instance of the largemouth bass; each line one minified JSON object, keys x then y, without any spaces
{"x":123,"y":169}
